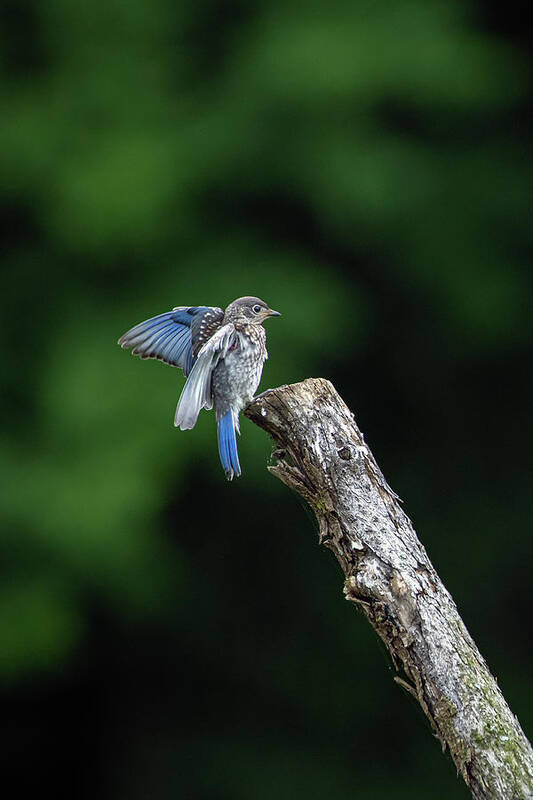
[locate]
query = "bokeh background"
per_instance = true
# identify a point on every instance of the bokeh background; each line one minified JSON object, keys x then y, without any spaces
{"x":364,"y":166}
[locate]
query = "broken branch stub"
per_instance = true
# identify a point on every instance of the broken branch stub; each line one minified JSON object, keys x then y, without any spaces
{"x":323,"y":456}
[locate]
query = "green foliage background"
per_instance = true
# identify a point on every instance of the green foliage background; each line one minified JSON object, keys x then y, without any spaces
{"x":365,"y":167}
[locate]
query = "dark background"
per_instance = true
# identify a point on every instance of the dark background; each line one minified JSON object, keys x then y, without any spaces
{"x":365,"y":167}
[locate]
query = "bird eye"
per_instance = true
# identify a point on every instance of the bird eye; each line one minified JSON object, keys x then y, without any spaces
{"x":256,"y":309}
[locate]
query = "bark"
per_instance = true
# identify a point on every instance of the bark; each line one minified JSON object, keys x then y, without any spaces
{"x":388,"y":575}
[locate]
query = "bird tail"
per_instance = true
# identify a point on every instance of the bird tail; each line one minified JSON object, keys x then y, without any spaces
{"x":227,"y":446}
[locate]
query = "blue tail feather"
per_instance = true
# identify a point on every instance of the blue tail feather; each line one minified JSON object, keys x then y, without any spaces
{"x":227,"y":446}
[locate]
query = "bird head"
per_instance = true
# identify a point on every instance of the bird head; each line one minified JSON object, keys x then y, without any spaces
{"x":249,"y":309}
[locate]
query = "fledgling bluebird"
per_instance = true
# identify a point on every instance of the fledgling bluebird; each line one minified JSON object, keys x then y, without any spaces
{"x":222,"y":355}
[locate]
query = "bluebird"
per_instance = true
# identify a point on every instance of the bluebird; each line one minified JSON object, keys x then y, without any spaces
{"x":221,"y":353}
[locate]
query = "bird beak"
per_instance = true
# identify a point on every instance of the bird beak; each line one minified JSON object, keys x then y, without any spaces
{"x":272,"y":313}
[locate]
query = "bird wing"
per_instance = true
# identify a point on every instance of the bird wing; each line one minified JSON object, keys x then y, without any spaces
{"x":197,"y":393}
{"x":175,"y":337}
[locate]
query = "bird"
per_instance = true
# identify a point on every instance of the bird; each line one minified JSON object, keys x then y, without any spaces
{"x":221,"y":353}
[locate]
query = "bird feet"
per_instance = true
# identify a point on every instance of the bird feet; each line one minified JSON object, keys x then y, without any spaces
{"x":259,"y":396}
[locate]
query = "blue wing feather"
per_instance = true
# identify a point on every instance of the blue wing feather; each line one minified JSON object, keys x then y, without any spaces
{"x":150,"y":346}
{"x":197,"y":392}
{"x":174,"y":337}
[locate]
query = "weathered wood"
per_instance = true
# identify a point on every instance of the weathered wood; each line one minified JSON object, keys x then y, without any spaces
{"x":323,"y":456}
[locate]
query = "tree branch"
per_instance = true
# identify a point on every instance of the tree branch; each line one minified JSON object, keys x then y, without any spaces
{"x":323,"y":456}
